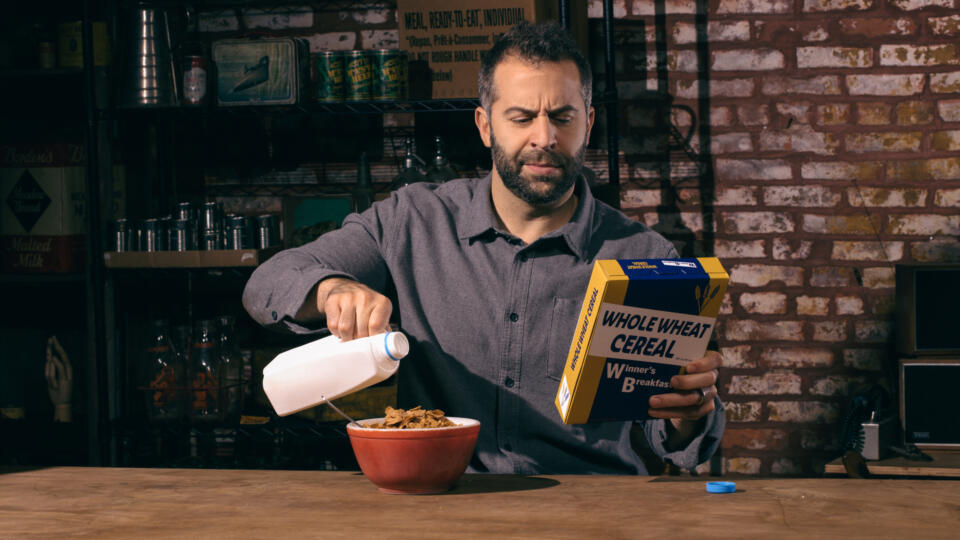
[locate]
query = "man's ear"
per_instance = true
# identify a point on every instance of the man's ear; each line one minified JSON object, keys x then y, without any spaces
{"x":483,"y":125}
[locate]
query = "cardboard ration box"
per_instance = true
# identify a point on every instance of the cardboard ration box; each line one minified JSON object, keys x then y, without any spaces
{"x":453,"y":35}
{"x":261,"y":72}
{"x":43,"y":208}
{"x":641,"y":321}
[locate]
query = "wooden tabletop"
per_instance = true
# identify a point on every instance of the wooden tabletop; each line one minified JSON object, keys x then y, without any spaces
{"x":67,"y":502}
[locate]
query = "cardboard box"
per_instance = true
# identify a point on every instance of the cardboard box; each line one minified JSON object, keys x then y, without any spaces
{"x":43,"y":208}
{"x":261,"y":72}
{"x":453,"y":35}
{"x":641,"y":321}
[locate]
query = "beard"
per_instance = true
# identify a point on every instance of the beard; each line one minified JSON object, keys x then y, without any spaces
{"x":537,"y":190}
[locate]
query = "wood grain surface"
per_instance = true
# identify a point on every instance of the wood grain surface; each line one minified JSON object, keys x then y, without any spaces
{"x":71,"y":502}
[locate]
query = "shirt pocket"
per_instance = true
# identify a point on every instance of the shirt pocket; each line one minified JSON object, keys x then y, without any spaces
{"x":563,"y":322}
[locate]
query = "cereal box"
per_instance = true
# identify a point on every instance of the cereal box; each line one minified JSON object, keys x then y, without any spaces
{"x":642,"y":320}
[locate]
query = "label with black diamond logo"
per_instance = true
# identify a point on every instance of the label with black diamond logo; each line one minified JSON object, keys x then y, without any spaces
{"x":27,"y":200}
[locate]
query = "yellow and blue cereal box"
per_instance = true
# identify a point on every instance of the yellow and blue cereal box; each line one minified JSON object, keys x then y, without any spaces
{"x":642,"y":320}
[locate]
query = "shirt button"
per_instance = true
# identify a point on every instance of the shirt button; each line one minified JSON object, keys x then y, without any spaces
{"x":508,"y":382}
{"x":514,"y":317}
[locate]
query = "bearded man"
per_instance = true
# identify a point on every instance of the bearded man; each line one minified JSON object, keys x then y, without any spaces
{"x":486,"y":277}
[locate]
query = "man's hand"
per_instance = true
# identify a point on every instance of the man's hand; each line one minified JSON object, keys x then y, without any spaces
{"x":692,"y":398}
{"x":352,"y":309}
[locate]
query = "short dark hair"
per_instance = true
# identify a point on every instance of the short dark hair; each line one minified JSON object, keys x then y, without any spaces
{"x":535,"y":43}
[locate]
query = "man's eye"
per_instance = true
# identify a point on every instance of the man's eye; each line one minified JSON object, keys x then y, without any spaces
{"x":563,"y":119}
{"x":521,"y":120}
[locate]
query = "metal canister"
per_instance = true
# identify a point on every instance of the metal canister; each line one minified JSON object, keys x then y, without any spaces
{"x":390,"y":74}
{"x":149,"y":236}
{"x":195,"y":71}
{"x":164,"y":227}
{"x":180,"y":239}
{"x":330,"y":76}
{"x":237,"y":235}
{"x":359,"y":71}
{"x":265,"y":236}
{"x":120,"y":235}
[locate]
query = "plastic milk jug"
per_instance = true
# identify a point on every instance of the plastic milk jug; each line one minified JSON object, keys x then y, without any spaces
{"x":329,"y":368}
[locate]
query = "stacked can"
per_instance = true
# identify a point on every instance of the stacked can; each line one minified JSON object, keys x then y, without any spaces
{"x":360,"y":75}
{"x":331,"y":84}
{"x":209,"y":226}
{"x":390,"y":74}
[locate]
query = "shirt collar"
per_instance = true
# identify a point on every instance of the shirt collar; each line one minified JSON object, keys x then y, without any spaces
{"x":480,"y":217}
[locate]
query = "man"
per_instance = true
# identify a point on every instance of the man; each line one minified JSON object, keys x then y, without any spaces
{"x":487,"y":276}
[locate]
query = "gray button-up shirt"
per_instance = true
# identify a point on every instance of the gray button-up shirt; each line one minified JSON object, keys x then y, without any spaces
{"x":490,"y":319}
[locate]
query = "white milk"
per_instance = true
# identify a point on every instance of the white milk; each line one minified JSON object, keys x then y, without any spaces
{"x":329,"y":368}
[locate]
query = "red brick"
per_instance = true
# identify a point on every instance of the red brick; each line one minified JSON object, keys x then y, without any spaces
{"x":886,"y":85}
{"x":753,"y":169}
{"x":936,"y":169}
{"x":747,"y":60}
{"x":770,"y":383}
{"x":833,"y":114}
{"x":947,"y":141}
{"x":834,"y":57}
{"x":717,"y":31}
{"x":736,"y":196}
{"x":837,"y":385}
{"x":791,"y":250}
{"x":759,"y":275}
{"x":878,"y":27}
{"x":755,"y":6}
{"x":911,"y":113}
{"x":873,"y":331}
{"x":864,"y":359}
{"x":937,"y":250}
{"x":947,"y":197}
{"x":866,"y":251}
{"x":796,"y":357}
{"x":849,"y":305}
{"x":756,"y":222}
{"x":813,"y":305}
{"x":839,"y":170}
{"x":831,"y":276}
{"x":925,"y":225}
{"x":945,"y":83}
{"x":747,"y":330}
{"x":764,"y":303}
{"x":810,"y":6}
{"x":878,"y":278}
{"x":884,"y":306}
{"x":918,"y":55}
{"x":801,"y":138}
{"x":948,"y":26}
{"x":886,"y":197}
{"x":690,"y":89}
{"x":670,"y":7}
{"x":913,"y":5}
{"x":753,"y":115}
{"x":795,"y":111}
{"x":873,"y":114}
{"x":803,"y":411}
{"x":755,"y":439}
{"x":800,"y":196}
{"x":742,"y":465}
{"x":884,"y":142}
{"x":740,"y":249}
{"x":829,"y":331}
{"x":737,"y":356}
{"x":841,"y":224}
{"x":637,"y":198}
{"x":729,"y":143}
{"x":744,"y":411}
{"x":824,"y":85}
{"x":949,"y":109}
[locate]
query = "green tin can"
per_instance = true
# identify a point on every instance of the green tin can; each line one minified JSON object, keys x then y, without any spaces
{"x":390,"y":66}
{"x":331,"y":85}
{"x":360,"y":75}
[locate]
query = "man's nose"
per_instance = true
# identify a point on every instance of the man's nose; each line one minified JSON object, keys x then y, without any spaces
{"x":544,"y":133}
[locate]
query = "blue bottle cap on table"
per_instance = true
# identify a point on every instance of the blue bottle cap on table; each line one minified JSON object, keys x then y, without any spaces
{"x":721,"y":487}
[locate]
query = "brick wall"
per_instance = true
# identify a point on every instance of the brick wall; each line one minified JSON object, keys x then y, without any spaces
{"x":832,"y":129}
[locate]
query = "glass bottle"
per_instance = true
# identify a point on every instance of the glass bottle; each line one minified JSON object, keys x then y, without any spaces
{"x":440,"y":170}
{"x":161,"y":374}
{"x":363,"y":192}
{"x":410,"y":171}
{"x":231,"y":370}
{"x":204,"y":385}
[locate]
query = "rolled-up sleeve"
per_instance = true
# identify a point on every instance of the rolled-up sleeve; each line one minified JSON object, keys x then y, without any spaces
{"x":279,"y":286}
{"x":699,"y":449}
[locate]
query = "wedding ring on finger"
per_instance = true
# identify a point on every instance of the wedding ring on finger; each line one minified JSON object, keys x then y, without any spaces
{"x":702,"y":399}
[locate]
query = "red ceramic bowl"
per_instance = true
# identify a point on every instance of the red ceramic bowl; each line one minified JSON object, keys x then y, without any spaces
{"x":414,"y":461}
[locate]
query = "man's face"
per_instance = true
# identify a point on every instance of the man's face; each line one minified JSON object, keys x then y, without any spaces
{"x":537,"y":128}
